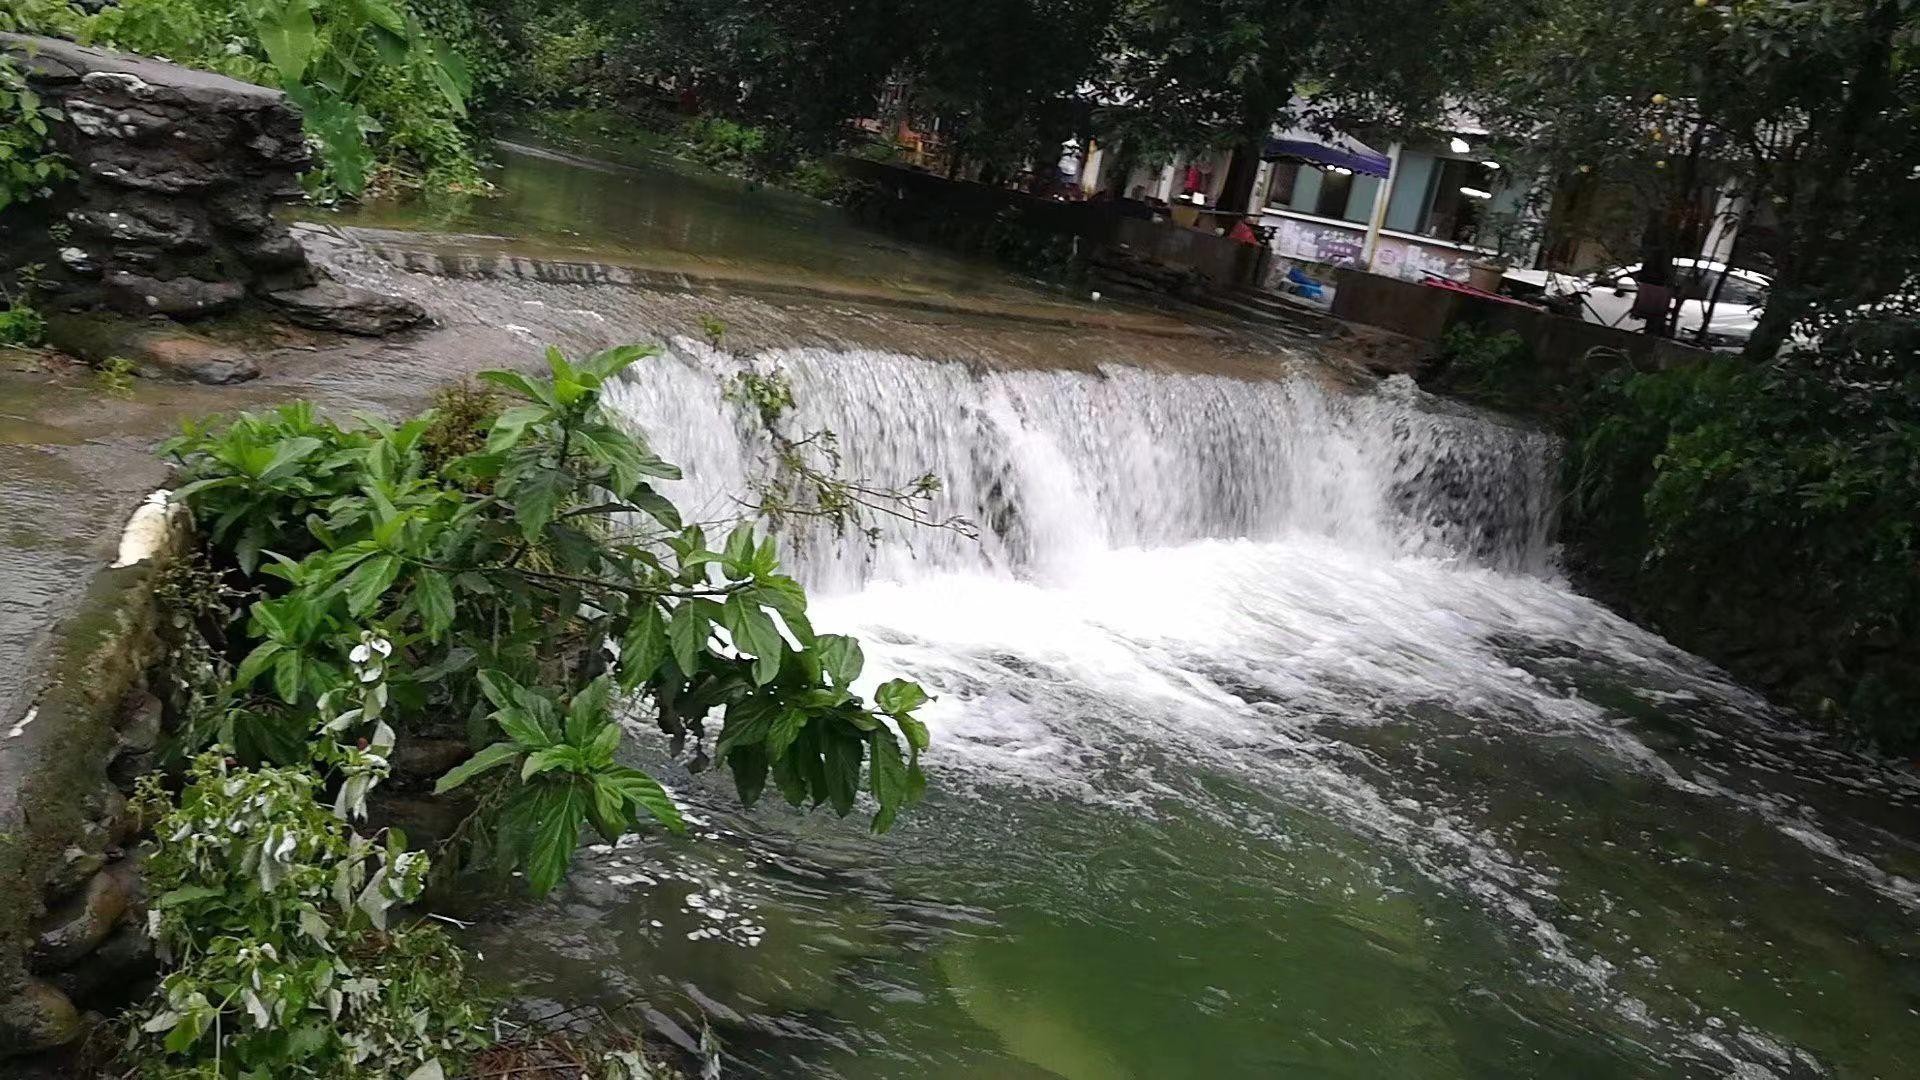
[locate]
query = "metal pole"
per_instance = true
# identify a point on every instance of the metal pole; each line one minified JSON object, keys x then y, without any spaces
{"x":1378,"y":219}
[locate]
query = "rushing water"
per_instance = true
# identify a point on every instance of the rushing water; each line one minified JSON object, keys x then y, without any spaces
{"x":1268,"y":742}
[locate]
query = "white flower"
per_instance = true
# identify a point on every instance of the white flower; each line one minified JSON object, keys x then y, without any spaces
{"x":360,"y":654}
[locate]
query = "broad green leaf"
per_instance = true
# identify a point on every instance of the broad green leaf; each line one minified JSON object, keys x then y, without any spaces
{"x":369,"y":582}
{"x":644,"y":647}
{"x":753,"y":632}
{"x":486,"y":760}
{"x":385,"y":16}
{"x":784,"y":595}
{"x":433,"y":592}
{"x":392,"y":48}
{"x":747,"y":724}
{"x":523,"y":728}
{"x":553,"y":757}
{"x":657,"y":506}
{"x":898,"y":696}
{"x":749,"y":767}
{"x":520,"y":384}
{"x":784,"y":731}
{"x":687,"y":632}
{"x":587,"y":712}
{"x":512,"y":426}
{"x":537,"y":497}
{"x":738,"y":556}
{"x":212,"y":483}
{"x":607,"y":810}
{"x":187,"y":894}
{"x":645,"y":793}
{"x":287,"y":36}
{"x":841,"y":656}
{"x":610,"y":362}
{"x":256,"y":663}
{"x":567,"y":387}
{"x":887,"y":777}
{"x":455,"y":66}
{"x":605,"y":741}
{"x":788,"y":772}
{"x":914,"y":730}
{"x":559,"y":810}
{"x":449,"y":88}
{"x":286,"y":676}
{"x":500,"y":688}
{"x":842,"y":763}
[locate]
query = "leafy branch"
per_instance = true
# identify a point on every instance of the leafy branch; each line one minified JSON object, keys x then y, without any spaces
{"x":805,"y":482}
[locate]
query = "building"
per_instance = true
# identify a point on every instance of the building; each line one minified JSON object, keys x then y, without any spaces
{"x":1424,"y":207}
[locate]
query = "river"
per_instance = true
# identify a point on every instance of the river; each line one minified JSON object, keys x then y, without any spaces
{"x":1269,"y":739}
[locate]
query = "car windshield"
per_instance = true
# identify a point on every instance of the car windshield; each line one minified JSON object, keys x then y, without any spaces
{"x":1712,"y":284}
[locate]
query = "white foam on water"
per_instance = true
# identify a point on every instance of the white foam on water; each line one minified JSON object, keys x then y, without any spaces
{"x":1196,"y":569}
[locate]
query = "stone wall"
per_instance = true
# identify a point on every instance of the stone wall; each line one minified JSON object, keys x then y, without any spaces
{"x":1574,"y":348}
{"x":170,"y":211}
{"x":72,"y":915}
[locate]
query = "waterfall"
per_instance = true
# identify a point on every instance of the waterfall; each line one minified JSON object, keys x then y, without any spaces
{"x":1053,"y":465}
{"x":1262,"y":689}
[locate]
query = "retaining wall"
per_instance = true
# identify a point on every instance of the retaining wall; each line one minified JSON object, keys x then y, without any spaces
{"x":72,"y":913}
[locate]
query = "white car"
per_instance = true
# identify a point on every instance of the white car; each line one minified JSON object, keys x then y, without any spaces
{"x":1607,"y":298}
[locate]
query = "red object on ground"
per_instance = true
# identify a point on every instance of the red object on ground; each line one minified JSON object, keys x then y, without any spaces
{"x":1242,"y":233}
{"x":1438,"y":282}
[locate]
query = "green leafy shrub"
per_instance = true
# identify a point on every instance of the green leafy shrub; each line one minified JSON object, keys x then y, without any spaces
{"x":21,"y":325}
{"x":511,"y":571}
{"x":115,"y":377}
{"x":28,"y":164}
{"x":378,"y":96}
{"x":1767,"y":518}
{"x":720,"y":143}
{"x":1494,"y":367}
{"x":500,"y":576}
{"x":274,"y":913}
{"x":815,"y":179}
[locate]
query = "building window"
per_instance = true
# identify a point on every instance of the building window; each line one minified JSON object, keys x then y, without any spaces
{"x":1456,"y":202}
{"x":1322,"y":192}
{"x":1334,"y":189}
{"x":1280,"y":182}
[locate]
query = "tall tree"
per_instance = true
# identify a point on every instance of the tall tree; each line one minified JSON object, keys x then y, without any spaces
{"x":1213,"y":74}
{"x":1808,"y":107}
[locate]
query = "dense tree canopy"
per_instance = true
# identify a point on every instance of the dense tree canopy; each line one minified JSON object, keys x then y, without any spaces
{"x":1807,"y":109}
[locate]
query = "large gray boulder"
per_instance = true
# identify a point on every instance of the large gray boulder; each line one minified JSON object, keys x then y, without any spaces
{"x":176,"y":175}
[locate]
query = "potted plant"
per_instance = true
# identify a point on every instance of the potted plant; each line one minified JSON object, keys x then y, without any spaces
{"x":1503,"y":239}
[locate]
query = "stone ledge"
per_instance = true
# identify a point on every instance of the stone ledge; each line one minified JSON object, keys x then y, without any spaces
{"x":53,"y":769}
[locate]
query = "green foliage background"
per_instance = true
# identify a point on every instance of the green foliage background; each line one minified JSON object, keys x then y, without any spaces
{"x":1766,"y":517}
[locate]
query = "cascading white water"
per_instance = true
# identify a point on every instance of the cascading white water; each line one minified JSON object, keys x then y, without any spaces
{"x":1052,"y":466}
{"x":1181,"y":572}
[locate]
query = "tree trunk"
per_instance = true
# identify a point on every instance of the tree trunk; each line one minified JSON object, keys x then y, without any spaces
{"x":1236,"y":194}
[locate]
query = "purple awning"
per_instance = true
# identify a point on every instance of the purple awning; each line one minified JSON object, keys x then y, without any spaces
{"x":1354,"y":157}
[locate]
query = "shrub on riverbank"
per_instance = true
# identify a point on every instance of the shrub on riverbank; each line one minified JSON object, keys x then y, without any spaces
{"x":414,"y":581}
{"x":1767,"y":518}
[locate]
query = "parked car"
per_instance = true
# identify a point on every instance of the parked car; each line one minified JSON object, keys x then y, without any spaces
{"x":1607,"y":298}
